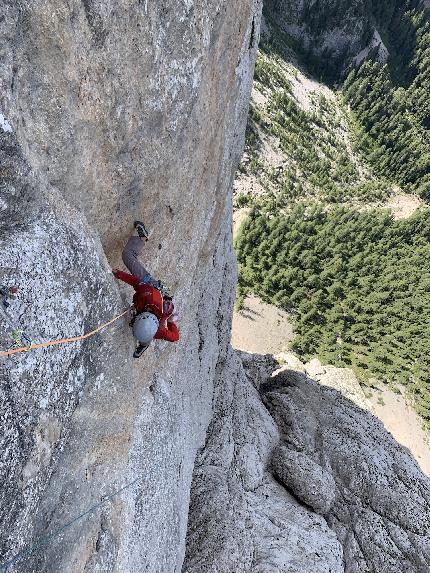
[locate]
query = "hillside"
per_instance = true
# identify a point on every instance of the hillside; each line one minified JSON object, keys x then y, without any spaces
{"x":331,"y":237}
{"x":329,"y":34}
{"x":300,"y":139}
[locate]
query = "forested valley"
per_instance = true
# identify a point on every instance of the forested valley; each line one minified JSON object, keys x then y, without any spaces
{"x":320,"y":240}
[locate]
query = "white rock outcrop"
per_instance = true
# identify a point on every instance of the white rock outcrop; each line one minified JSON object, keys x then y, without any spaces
{"x":381,"y":507}
{"x":313,"y":482}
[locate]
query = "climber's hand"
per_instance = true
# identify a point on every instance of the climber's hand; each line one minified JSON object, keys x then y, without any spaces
{"x":168,"y":307}
{"x":174,"y":318}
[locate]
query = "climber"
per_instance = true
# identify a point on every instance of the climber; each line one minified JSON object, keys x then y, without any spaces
{"x":154,"y":310}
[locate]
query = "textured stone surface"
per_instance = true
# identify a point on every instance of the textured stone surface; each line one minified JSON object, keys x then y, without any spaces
{"x":341,"y":379}
{"x":346,"y":497}
{"x":381,"y":509}
{"x":109,"y":111}
{"x":257,"y":367}
{"x":241,"y":518}
{"x":305,"y":478}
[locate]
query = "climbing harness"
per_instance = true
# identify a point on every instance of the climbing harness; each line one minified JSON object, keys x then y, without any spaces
{"x":42,"y":541}
{"x":148,"y":280}
{"x":63,"y":340}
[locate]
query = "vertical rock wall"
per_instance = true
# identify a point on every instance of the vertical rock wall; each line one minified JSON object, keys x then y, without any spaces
{"x":112,"y":111}
{"x":330,"y":34}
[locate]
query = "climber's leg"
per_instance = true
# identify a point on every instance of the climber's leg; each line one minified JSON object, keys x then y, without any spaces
{"x":130,"y":256}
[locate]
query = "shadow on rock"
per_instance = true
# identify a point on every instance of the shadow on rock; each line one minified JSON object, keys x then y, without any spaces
{"x":339,"y":460}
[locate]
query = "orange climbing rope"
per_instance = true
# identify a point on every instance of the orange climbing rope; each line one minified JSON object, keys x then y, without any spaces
{"x":63,"y":340}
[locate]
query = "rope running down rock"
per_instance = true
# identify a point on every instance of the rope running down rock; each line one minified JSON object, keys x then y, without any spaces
{"x":34,"y":346}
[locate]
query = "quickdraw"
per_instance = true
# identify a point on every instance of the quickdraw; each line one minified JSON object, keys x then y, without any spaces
{"x":22,"y":340}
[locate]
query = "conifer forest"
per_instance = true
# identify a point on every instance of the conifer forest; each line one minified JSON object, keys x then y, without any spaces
{"x":319,"y":240}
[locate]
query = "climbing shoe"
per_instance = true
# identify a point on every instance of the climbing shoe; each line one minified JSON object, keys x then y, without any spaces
{"x":140,"y":349}
{"x":141,"y":230}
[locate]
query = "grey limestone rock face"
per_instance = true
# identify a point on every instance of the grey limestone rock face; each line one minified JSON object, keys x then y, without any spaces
{"x":241,"y":518}
{"x":305,"y":478}
{"x":257,"y":367}
{"x":309,"y":482}
{"x":112,"y":111}
{"x":373,"y":494}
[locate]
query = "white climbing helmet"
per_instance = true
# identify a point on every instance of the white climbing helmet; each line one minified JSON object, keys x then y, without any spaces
{"x":145,"y":326}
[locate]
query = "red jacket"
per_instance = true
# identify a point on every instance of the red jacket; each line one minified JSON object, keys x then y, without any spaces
{"x":148,"y":299}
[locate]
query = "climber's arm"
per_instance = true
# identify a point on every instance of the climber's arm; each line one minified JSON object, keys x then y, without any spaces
{"x":171,"y":333}
{"x":125,"y":277}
